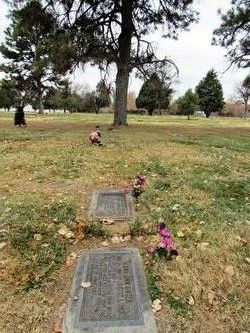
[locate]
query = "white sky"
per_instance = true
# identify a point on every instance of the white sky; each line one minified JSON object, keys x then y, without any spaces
{"x":192,"y":53}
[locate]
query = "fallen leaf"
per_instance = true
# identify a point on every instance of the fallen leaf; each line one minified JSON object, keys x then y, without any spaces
{"x":2,"y":246}
{"x":241,"y":240}
{"x":229,"y":270}
{"x":175,"y":207}
{"x":86,"y":284}
{"x":202,"y":245}
{"x":199,"y":233}
{"x":210,"y":297}
{"x":50,"y":226}
{"x":179,"y":258}
{"x":58,"y":327}
{"x":115,"y":240}
{"x":127,"y":238}
{"x":64,"y":231}
{"x":180,"y":234}
{"x":191,"y":300}
{"x":156,"y":305}
{"x":70,"y":259}
{"x":107,"y":221}
{"x":38,"y":237}
{"x":247,"y":260}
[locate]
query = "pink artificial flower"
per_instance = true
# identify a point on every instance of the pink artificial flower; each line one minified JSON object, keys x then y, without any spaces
{"x":165,"y":232}
{"x":166,"y":242}
{"x":150,"y":249}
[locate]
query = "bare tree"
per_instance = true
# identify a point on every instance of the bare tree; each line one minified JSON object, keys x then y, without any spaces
{"x":243,"y":92}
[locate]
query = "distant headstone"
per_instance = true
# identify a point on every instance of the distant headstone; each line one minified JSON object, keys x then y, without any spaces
{"x":117,"y":300}
{"x":112,"y":204}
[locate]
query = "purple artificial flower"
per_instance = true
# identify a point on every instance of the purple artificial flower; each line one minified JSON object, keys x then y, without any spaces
{"x":141,"y":180}
{"x":173,"y":252}
{"x":161,"y":226}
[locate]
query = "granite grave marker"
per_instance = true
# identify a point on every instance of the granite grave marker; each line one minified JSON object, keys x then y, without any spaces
{"x":112,"y":204}
{"x":117,"y":300}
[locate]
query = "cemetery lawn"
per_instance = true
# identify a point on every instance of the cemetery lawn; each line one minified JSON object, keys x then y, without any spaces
{"x":47,"y":173}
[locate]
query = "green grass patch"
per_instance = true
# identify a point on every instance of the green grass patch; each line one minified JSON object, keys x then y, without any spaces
{"x":33,"y":236}
{"x":179,"y":306}
{"x":136,"y":227}
{"x":62,"y":212}
{"x":161,"y":184}
{"x":155,"y":165}
{"x":94,"y":228}
{"x":153,"y":290}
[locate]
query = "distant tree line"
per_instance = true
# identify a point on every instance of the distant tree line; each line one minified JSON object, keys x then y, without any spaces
{"x":47,"y":39}
{"x":67,"y":98}
{"x":64,"y":97}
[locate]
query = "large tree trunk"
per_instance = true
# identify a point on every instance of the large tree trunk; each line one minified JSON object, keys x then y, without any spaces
{"x":245,"y":107}
{"x":123,"y":64}
{"x":40,"y":105}
{"x":150,"y":111}
{"x":40,"y":100}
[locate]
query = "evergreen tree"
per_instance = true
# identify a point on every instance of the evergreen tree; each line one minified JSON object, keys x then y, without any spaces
{"x":234,"y":32}
{"x":102,"y":98}
{"x":8,"y":94}
{"x":188,"y":104}
{"x":210,"y":93}
{"x":114,"y":32}
{"x":89,"y":102}
{"x":28,"y":47}
{"x":153,"y":95}
{"x":50,"y":100}
{"x":65,"y":94}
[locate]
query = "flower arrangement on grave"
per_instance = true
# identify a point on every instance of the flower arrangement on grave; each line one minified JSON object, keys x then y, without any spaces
{"x":166,"y":247}
{"x":138,"y":186}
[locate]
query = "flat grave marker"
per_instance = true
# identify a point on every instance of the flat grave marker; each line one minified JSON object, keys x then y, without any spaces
{"x":117,"y":300}
{"x":113,"y":204}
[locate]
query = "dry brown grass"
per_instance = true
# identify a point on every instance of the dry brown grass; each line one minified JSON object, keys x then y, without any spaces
{"x":52,"y":161}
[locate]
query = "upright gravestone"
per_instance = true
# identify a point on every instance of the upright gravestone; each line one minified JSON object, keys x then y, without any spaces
{"x":113,"y":204}
{"x":116,"y":301}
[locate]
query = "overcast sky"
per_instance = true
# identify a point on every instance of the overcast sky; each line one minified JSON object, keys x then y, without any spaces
{"x":192,"y":53}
